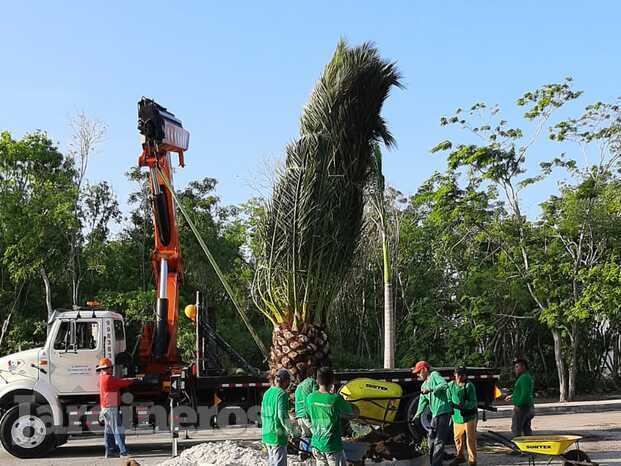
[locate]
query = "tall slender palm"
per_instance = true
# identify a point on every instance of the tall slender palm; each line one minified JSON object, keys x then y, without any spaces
{"x":313,"y":220}
{"x":379,"y":206}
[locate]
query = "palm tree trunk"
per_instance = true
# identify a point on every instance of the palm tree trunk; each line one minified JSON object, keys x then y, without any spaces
{"x":298,"y":350}
{"x":389,"y":328}
{"x":389,"y":309}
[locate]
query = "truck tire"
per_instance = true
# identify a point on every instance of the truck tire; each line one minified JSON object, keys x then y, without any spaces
{"x":27,"y":435}
{"x":420,"y":427}
{"x":416,"y":427}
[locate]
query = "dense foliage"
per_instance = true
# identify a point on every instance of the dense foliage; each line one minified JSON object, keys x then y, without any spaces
{"x":477,"y":277}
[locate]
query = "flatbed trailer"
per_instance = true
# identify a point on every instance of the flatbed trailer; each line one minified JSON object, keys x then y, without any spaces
{"x":242,"y":392}
{"x":239,"y":388}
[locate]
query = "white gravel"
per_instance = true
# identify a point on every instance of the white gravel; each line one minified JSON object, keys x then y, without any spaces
{"x":225,"y":453}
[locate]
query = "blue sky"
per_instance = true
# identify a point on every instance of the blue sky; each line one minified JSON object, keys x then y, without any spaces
{"x":238,"y":73}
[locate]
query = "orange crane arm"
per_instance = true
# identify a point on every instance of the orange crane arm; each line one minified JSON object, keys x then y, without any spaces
{"x":162,"y":133}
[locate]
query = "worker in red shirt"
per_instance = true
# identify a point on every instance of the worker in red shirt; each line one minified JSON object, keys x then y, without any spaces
{"x":109,"y":387}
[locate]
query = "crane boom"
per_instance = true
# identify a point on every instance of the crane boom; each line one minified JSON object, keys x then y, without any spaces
{"x":162,"y":133}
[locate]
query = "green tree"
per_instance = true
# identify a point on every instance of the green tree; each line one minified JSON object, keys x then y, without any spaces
{"x":547,"y":257}
{"x":93,"y":206}
{"x":36,"y":195}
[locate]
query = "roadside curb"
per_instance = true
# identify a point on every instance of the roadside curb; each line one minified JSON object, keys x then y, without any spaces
{"x":560,"y":408}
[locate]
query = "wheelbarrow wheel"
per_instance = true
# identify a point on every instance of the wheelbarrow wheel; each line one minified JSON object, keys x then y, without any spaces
{"x":576,"y":457}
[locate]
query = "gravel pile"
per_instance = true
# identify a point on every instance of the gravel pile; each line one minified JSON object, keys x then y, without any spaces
{"x":225,"y":453}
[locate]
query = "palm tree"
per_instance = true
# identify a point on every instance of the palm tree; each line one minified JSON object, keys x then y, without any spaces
{"x":313,"y":220}
{"x":379,"y":207}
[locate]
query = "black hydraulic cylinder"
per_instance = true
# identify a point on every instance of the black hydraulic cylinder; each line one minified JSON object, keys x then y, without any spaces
{"x":160,"y":339}
{"x":162,"y":216}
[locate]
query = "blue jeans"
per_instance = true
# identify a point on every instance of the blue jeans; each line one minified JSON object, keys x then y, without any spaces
{"x":114,"y":431}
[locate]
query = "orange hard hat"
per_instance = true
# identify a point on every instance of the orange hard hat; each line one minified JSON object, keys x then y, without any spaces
{"x":420,"y":365}
{"x":104,"y":363}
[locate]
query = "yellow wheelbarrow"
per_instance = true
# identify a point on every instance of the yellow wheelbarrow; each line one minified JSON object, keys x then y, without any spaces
{"x":554,"y":446}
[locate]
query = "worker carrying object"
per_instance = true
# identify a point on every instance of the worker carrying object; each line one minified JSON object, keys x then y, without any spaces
{"x":523,"y":397}
{"x":110,"y":414}
{"x":325,"y":410}
{"x":275,"y":419}
{"x":463,"y":396}
{"x":434,"y":394}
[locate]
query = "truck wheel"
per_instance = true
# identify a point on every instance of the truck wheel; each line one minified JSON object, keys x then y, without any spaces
{"x":27,"y":435}
{"x":416,"y":428}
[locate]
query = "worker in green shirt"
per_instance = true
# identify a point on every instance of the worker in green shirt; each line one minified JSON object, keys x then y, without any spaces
{"x":305,"y":388}
{"x":433,"y":393}
{"x":463,"y":396}
{"x":325,"y":410}
{"x":523,"y":397}
{"x":275,"y":419}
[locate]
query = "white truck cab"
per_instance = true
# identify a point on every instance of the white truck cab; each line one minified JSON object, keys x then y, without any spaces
{"x":35,"y":382}
{"x":75,"y":344}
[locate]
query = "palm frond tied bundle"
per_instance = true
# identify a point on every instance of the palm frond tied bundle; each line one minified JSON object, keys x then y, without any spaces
{"x":313,"y":220}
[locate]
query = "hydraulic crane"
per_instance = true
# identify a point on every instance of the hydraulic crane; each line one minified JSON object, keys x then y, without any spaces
{"x":162,"y":134}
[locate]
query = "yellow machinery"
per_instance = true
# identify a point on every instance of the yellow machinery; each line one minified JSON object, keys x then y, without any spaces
{"x":377,"y":400}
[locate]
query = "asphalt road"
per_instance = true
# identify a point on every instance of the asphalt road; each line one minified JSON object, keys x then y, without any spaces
{"x":602,"y":432}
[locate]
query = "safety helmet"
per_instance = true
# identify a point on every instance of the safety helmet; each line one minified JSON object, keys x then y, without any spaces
{"x":104,"y":363}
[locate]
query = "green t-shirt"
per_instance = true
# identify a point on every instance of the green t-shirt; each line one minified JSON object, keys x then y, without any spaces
{"x":437,"y":398}
{"x":523,"y":391}
{"x":463,"y":398}
{"x":274,"y":416}
{"x":324,"y":411}
{"x":305,"y":388}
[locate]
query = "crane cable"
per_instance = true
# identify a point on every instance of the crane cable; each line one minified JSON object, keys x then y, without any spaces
{"x":215,"y":266}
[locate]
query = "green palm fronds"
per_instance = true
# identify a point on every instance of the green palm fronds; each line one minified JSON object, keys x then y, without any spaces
{"x":312,"y":223}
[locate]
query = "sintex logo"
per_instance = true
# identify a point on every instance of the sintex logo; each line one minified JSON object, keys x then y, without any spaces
{"x":376,"y":387}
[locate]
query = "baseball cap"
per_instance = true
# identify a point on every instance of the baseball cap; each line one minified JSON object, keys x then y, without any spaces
{"x":420,"y":365}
